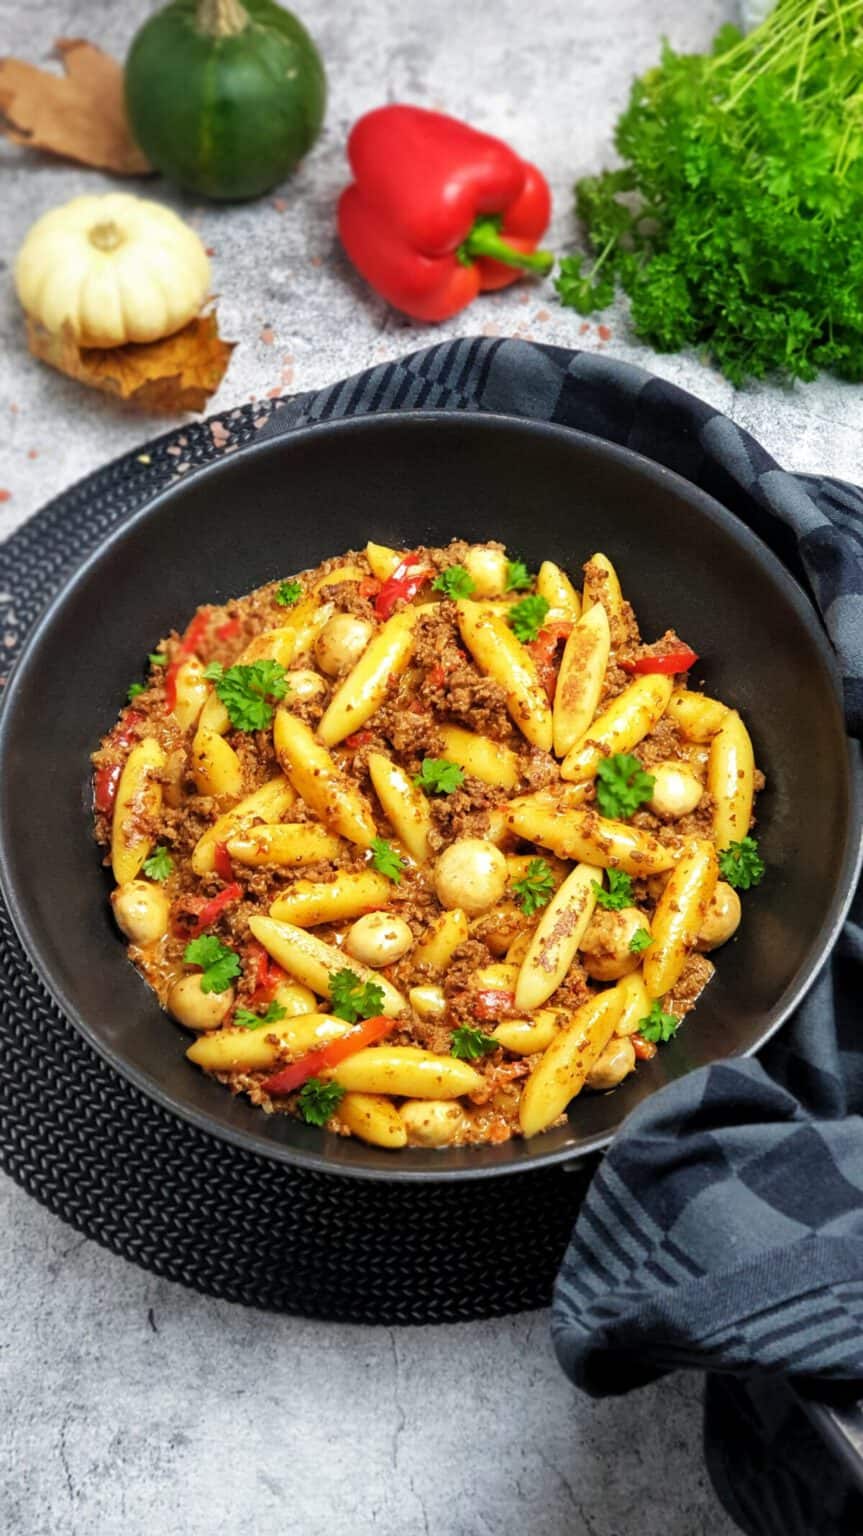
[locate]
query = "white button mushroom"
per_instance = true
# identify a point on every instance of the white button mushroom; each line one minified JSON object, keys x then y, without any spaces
{"x":722,"y":918}
{"x":470,"y":874}
{"x":378,"y":939}
{"x":487,"y":567}
{"x":433,"y":1122}
{"x":341,"y":643}
{"x":605,"y":950}
{"x":305,"y":684}
{"x":677,"y":790}
{"x":141,"y":909}
{"x":615,"y":1063}
{"x":197,"y":1009}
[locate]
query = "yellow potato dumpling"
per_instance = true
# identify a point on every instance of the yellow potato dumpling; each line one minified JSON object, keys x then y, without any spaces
{"x":487,"y":569}
{"x":676,"y":791}
{"x":605,"y":950}
{"x":470,"y":874}
{"x":198,"y":1009}
{"x":141,"y":910}
{"x":379,"y":939}
{"x":341,"y":643}
{"x":722,"y":918}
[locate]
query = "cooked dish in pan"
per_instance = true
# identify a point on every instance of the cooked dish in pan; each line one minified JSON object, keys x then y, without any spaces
{"x":421,"y":844}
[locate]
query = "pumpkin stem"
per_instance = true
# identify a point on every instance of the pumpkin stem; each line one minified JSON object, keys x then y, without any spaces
{"x":221,"y":18}
{"x":106,"y":236}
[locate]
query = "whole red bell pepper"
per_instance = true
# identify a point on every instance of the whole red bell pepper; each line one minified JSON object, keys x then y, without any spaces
{"x":438,"y":212}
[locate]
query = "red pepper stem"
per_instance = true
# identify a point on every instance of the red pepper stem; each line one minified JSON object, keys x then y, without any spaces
{"x":485,"y":239}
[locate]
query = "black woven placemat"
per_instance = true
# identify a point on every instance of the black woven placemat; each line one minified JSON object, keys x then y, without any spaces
{"x":102,"y":1156}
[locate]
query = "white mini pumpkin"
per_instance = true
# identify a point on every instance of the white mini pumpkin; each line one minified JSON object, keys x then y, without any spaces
{"x":113,"y":268}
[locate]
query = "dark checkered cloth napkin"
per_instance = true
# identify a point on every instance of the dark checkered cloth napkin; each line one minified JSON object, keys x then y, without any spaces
{"x":724,"y":1229}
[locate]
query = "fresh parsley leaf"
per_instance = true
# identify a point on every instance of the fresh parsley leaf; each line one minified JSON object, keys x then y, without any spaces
{"x":527,"y":617}
{"x":219,"y":963}
{"x":248,"y":1020}
{"x":518,"y":576}
{"x":619,"y":893}
{"x":640,"y":941}
{"x":536,"y":888}
{"x":658,"y":1026}
{"x":455,"y":581}
{"x":469,"y":1044}
{"x":289,"y":592}
{"x":134,"y":690}
{"x":741,"y":864}
{"x":583,"y":291}
{"x":387,"y":860}
{"x":157,"y":659}
{"x":319,"y":1100}
{"x":439,"y":776}
{"x":247,"y":691}
{"x":622,"y":786}
{"x":159,"y":865}
{"x":352,"y":999}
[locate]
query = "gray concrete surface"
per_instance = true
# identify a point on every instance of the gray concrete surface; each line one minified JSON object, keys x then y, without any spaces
{"x":129,"y":1404}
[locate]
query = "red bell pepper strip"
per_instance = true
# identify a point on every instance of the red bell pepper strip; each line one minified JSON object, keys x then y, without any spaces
{"x":645,"y":1050}
{"x":214,"y":908}
{"x":407,"y":578}
{"x":107,"y":777}
{"x":438,"y":211}
{"x":544,"y":652}
{"x":675,"y":661}
{"x":299,"y":1072}
{"x":222,"y":862}
{"x":230,"y":628}
{"x":359,"y":739}
{"x":492,"y":1004}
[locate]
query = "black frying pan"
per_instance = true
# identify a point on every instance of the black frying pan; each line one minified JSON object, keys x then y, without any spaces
{"x":282,"y":505}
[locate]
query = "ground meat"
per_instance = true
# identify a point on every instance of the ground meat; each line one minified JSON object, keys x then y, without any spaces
{"x":697,"y":972}
{"x":346,"y":597}
{"x":538,"y":768}
{"x":573,"y":991}
{"x":464,"y":813}
{"x":467,"y":960}
{"x":664,"y":744}
{"x":475,"y":701}
{"x":412,"y":735}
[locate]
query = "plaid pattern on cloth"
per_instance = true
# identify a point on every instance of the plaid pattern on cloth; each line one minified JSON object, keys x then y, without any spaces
{"x":724,"y":1229}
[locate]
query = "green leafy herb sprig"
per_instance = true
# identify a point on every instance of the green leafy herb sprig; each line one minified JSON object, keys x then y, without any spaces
{"x":736,"y":220}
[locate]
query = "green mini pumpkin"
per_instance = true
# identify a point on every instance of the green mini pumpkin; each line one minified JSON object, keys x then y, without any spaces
{"x":225,"y":97}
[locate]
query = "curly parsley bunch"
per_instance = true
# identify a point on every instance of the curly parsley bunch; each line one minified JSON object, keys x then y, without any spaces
{"x":736,"y":221}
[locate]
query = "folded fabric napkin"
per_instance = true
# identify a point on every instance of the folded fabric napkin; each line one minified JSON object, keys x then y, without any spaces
{"x":724,"y":1229}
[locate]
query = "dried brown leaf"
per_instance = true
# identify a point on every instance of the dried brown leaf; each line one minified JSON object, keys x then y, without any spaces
{"x":79,"y":115}
{"x":179,"y":373}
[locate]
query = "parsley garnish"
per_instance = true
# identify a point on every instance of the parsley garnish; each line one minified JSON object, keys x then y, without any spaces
{"x":352,"y":999}
{"x":219,"y":963}
{"x":536,"y":888}
{"x":518,"y":576}
{"x":527,"y":617}
{"x":159,"y":865}
{"x":319,"y":1100}
{"x":658,"y":1026}
{"x":622,"y":785}
{"x":387,"y":860}
{"x":247,"y":691}
{"x":289,"y":593}
{"x":135,"y":689}
{"x":439,"y":776}
{"x":469,"y":1044}
{"x":455,"y":581}
{"x":741,"y":864}
{"x":723,"y":221}
{"x":619,"y":893}
{"x":157,"y":659}
{"x":248,"y":1020}
{"x":641,"y":940}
